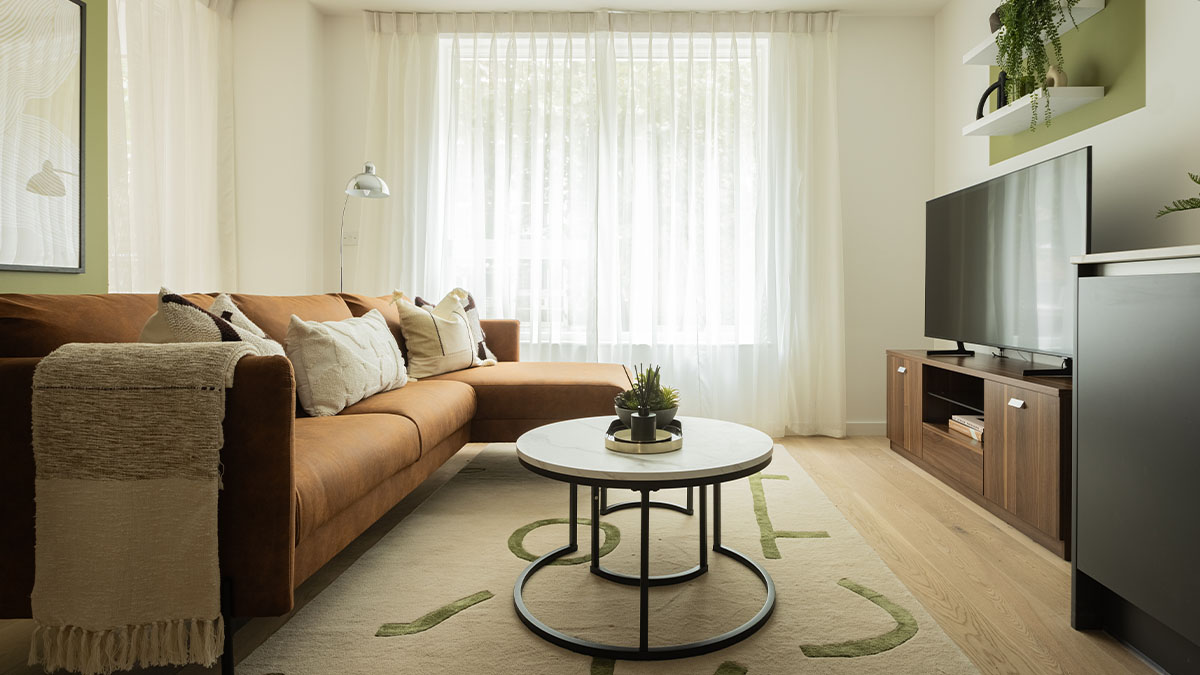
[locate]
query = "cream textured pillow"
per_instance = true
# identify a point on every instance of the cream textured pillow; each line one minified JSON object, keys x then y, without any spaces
{"x":179,"y":320}
{"x":438,"y":337}
{"x":339,"y":363}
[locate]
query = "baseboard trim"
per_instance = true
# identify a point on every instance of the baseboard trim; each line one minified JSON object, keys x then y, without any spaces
{"x":866,"y":428}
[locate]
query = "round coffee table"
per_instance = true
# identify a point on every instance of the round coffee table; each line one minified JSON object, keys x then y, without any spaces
{"x":713,"y":452}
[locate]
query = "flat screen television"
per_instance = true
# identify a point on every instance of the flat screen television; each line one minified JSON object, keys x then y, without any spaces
{"x":997,"y":257}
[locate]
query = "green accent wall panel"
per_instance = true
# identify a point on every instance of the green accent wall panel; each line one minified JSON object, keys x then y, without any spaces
{"x":95,"y":172}
{"x":1108,"y":49}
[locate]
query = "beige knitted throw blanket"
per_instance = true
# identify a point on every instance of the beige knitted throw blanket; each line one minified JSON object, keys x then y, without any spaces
{"x":126,"y":439}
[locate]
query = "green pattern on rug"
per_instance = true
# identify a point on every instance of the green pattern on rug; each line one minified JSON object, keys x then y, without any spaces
{"x":767,"y":531}
{"x":433,"y":618}
{"x":906,"y":627}
{"x":608,"y":667}
{"x":516,"y":541}
{"x":456,"y":542}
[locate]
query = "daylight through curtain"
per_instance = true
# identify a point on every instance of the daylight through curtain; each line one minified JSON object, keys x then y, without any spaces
{"x":634,"y":187}
{"x":170,"y":146}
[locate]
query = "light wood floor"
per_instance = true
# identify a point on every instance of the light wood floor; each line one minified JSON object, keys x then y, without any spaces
{"x":1003,"y":599}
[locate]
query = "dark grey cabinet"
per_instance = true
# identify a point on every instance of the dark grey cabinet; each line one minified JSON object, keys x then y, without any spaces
{"x":1137,"y":461}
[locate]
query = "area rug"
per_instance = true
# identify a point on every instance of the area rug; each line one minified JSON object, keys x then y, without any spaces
{"x":435,"y":594}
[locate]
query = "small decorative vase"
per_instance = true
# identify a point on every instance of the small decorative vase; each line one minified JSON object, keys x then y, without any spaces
{"x":994,"y":20}
{"x":1055,"y":77}
{"x":1000,"y":86}
{"x":642,"y":427}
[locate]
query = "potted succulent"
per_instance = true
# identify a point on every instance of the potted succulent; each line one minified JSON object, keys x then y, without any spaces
{"x":1028,"y":25}
{"x":647,"y":388}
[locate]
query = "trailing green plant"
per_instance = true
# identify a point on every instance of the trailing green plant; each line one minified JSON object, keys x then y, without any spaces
{"x":1182,"y":204}
{"x":647,"y":391}
{"x":1022,"y":47}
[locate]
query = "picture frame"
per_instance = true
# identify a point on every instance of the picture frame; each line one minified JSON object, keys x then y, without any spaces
{"x":42,"y":113}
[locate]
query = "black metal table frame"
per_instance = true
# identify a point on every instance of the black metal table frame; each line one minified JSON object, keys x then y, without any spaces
{"x":644,"y":580}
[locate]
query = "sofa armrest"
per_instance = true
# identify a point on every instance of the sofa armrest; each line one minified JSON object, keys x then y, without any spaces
{"x":257,"y":519}
{"x":503,"y":337}
{"x":258,"y":502}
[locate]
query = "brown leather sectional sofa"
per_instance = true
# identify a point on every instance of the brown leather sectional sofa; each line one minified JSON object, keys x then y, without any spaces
{"x":297,"y":489}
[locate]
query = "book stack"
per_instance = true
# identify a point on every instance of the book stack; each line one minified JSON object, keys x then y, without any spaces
{"x":967,"y":425}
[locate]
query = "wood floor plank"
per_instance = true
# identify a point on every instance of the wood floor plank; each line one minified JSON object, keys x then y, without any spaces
{"x":960,"y":610}
{"x":1000,"y":596}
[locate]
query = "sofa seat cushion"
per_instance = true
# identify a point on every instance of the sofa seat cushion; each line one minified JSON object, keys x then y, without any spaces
{"x":35,"y":325}
{"x":273,"y":313}
{"x":340,"y":459}
{"x":437,"y":408}
{"x":542,"y":390}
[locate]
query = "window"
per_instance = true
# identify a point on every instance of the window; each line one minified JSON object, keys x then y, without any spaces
{"x":578,"y":186}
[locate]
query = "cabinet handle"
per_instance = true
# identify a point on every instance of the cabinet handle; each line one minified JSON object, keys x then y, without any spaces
{"x":902,"y":370}
{"x":1016,"y":403}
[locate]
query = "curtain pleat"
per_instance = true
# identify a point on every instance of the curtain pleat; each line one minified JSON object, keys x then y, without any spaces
{"x":172,"y":212}
{"x":634,"y":187}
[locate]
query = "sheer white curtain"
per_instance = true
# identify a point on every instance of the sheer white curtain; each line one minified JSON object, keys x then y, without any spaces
{"x":634,"y":187}
{"x":170,"y":146}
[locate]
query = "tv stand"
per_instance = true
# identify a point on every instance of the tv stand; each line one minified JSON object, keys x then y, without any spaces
{"x":961,"y":350}
{"x":1065,"y":371}
{"x":1021,"y":467}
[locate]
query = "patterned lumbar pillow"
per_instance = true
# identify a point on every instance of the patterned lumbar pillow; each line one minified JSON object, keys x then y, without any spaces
{"x":339,"y":363}
{"x":438,"y":336}
{"x":180,"y":320}
{"x":483,"y":355}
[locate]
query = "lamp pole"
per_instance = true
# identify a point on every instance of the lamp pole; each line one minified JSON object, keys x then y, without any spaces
{"x":365,"y":184}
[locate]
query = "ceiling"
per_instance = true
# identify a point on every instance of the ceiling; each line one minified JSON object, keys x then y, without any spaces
{"x":892,"y":7}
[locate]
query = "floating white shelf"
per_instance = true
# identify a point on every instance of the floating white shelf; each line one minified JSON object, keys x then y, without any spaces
{"x":984,"y":54}
{"x":1014,"y":117}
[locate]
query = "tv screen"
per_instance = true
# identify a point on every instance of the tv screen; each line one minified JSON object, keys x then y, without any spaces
{"x":997,"y":257}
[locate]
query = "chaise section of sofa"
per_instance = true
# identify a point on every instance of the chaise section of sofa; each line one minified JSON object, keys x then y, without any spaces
{"x":297,"y":489}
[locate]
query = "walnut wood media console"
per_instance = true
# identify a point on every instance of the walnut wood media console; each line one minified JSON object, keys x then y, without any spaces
{"x":1021,"y":469}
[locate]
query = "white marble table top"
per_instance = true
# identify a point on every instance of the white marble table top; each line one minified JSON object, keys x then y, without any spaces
{"x":711,"y":448}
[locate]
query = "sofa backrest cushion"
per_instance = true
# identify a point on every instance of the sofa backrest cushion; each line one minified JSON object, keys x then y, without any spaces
{"x":361,"y":304}
{"x":273,"y":313}
{"x":35,"y":325}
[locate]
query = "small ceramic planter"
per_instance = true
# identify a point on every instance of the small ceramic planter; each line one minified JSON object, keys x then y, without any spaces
{"x":661,"y":417}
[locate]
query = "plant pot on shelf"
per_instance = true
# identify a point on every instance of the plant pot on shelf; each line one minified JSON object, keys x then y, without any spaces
{"x":661,"y":417}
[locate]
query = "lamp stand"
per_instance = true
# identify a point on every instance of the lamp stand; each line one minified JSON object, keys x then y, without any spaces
{"x":341,"y":241}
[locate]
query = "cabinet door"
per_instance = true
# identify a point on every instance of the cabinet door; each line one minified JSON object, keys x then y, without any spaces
{"x":896,"y":401}
{"x":1022,"y":460}
{"x":903,"y":404}
{"x":994,"y":442}
{"x":1138,"y":460}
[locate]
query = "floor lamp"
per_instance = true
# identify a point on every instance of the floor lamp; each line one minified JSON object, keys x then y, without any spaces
{"x":365,"y":184}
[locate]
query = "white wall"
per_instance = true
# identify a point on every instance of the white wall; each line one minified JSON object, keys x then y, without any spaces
{"x":1140,"y":160}
{"x":886,"y":128}
{"x":344,"y":133}
{"x":279,"y":82}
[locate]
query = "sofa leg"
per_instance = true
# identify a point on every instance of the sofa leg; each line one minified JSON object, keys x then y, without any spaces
{"x":227,"y":612}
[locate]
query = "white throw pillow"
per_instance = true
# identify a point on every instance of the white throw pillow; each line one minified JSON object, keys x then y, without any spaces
{"x":180,"y":320}
{"x":339,"y":363}
{"x":438,"y":337}
{"x":483,"y":355}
